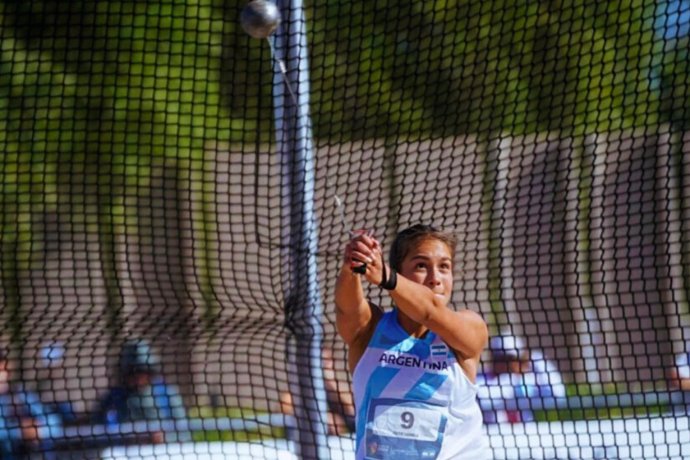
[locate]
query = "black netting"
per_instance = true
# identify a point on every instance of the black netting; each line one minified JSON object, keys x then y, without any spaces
{"x":171,"y":227}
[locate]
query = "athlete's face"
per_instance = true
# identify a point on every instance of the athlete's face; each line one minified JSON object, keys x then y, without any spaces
{"x":430,"y":263}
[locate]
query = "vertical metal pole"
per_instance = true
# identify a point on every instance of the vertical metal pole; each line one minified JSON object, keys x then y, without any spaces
{"x":303,"y":298}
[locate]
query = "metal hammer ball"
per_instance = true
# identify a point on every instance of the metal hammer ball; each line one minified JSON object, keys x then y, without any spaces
{"x":260,"y":18}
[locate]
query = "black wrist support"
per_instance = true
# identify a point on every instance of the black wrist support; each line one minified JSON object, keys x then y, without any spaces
{"x":388,"y":281}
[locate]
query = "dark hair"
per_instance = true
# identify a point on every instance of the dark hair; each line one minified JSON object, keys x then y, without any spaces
{"x":406,"y":239}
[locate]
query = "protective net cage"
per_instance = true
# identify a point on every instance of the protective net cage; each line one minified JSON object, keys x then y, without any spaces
{"x":175,"y":195}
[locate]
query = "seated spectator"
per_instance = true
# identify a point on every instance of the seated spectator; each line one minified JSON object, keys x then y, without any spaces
{"x":341,"y":406}
{"x":25,"y":423}
{"x":502,"y":383}
{"x":543,"y":377}
{"x":141,"y":392}
{"x":517,"y":382}
{"x":51,"y":384}
{"x":679,"y":375}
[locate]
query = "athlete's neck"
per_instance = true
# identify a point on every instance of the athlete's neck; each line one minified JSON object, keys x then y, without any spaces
{"x":410,"y":326}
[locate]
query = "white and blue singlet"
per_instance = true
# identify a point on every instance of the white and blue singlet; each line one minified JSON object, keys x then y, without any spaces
{"x":413,"y":400}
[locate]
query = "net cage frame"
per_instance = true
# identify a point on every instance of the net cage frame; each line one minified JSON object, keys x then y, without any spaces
{"x":169,"y":181}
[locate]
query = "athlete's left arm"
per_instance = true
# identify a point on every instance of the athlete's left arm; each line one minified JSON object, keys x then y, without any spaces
{"x":464,"y":331}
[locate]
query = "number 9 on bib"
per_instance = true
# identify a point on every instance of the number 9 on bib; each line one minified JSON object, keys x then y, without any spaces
{"x":398,"y":429}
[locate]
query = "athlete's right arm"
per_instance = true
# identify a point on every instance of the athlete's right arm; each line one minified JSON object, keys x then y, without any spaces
{"x":352,"y":311}
{"x":354,"y":316}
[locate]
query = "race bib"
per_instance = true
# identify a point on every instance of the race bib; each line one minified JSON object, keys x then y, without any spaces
{"x":403,"y":430}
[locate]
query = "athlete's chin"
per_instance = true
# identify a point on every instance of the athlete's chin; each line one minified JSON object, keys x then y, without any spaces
{"x":442,"y":297}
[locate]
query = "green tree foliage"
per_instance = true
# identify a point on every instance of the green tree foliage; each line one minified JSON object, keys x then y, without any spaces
{"x":133,"y":80}
{"x":95,"y":93}
{"x":148,"y":72}
{"x":451,"y":67}
{"x":674,"y":85}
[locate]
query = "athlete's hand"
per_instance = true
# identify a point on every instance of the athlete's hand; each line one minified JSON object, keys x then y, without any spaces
{"x":375,"y":265}
{"x":363,"y":248}
{"x":360,"y":249}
